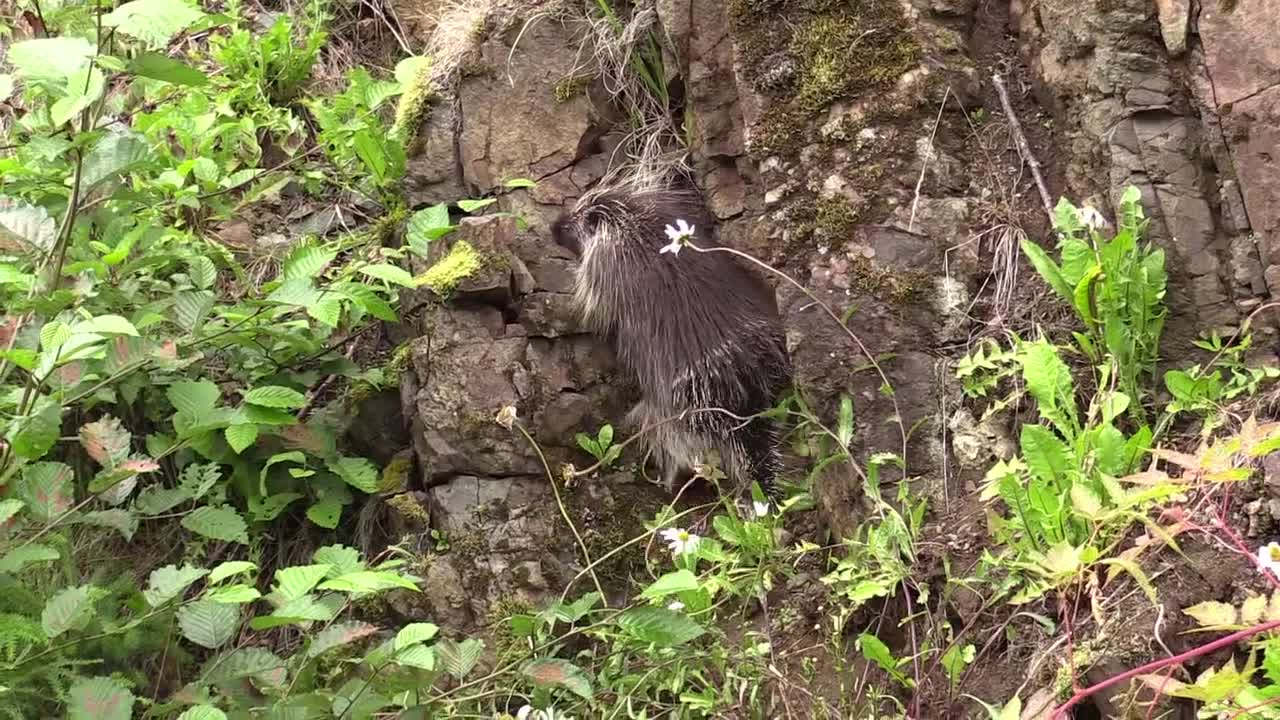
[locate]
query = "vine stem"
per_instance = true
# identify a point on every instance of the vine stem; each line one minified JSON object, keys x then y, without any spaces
{"x":564,"y":512}
{"x":1227,"y":641}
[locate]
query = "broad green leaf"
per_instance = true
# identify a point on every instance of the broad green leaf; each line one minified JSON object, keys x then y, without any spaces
{"x":20,"y":557}
{"x":203,"y":712}
{"x":367,"y":581}
{"x":554,"y":672}
{"x":296,"y":291}
{"x":202,"y":271}
{"x":294,"y":582}
{"x":169,"y":582}
{"x":233,"y":594}
{"x":874,"y":650}
{"x":118,"y":519}
{"x":50,"y":61}
{"x":230,"y":569}
{"x":47,"y":488}
{"x":154,"y":22}
{"x":38,"y":432}
{"x":157,"y":500}
{"x":1048,"y":270}
{"x":241,"y":436}
{"x":197,"y":398}
{"x":337,"y":635}
{"x":27,"y":225}
{"x":422,"y":657}
{"x":209,"y":624}
{"x":9,"y":508}
{"x":218,"y":523}
{"x":340,"y":558}
{"x":275,"y":396}
{"x":660,"y":626}
{"x":414,"y":633}
{"x":673,"y":582}
{"x":1212,"y":614}
{"x":426,"y":226}
{"x":84,"y":88}
{"x":191,"y":307}
{"x":1046,"y":455}
{"x":165,"y":69}
{"x":409,"y":69}
{"x":389,"y":273}
{"x":68,"y":609}
{"x":99,"y":698}
{"x":116,"y":153}
{"x":307,"y":608}
{"x":307,"y":262}
{"x":459,"y":658}
{"x":241,"y":663}
{"x":357,"y":472}
{"x":371,"y":153}
{"x":325,"y":513}
{"x":110,"y":325}
{"x":270,"y":507}
{"x":327,"y":310}
{"x":1049,"y":381}
{"x":470,"y":206}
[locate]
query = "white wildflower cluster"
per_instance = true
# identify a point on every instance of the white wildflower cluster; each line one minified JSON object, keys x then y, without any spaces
{"x":680,"y":541}
{"x":678,"y":235}
{"x":1091,"y":218}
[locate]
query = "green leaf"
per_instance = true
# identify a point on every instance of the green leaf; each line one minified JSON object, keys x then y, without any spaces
{"x":671,"y":583}
{"x":1049,"y":381}
{"x":296,"y":291}
{"x":230,"y":569}
{"x":389,"y":273}
{"x":294,"y":582}
{"x":270,"y":507}
{"x":1046,"y":455}
{"x":9,"y":508}
{"x":417,"y":656}
{"x":68,"y":609}
{"x":459,"y":658}
{"x":340,"y":558}
{"x":165,"y":69}
{"x":275,"y":396}
{"x":307,"y":262}
{"x":38,"y":433}
{"x":106,"y":441}
{"x":241,"y":663}
{"x":874,"y":650}
{"x":218,"y":523}
{"x":169,"y":582}
{"x":519,"y":183}
{"x":157,"y":500}
{"x":209,"y":624}
{"x":50,"y":61}
{"x":241,"y":436}
{"x":191,"y":307}
{"x":1213,"y":614}
{"x":356,"y":472}
{"x":118,"y":152}
{"x":202,"y":271}
{"x":337,"y":635}
{"x":470,"y":206}
{"x":196,"y":398}
{"x":110,"y":325}
{"x":367,"y":581}
{"x":203,"y":712}
{"x":327,"y":310}
{"x":155,"y":22}
{"x":99,"y":698}
{"x":233,"y":594}
{"x":84,"y":88}
{"x":118,"y":519}
{"x":47,"y":489}
{"x":325,"y":513}
{"x":414,"y":633}
{"x":20,"y":557}
{"x":27,"y":225}
{"x":409,"y":69}
{"x":660,"y":626}
{"x":554,"y":672}
{"x":427,"y":225}
{"x":307,"y":608}
{"x":1048,"y":270}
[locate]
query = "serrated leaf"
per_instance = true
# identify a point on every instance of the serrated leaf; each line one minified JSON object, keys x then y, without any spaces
{"x":155,"y":22}
{"x":46,"y":488}
{"x":340,"y":558}
{"x":673,"y":582}
{"x":357,"y":472}
{"x":296,"y":291}
{"x":203,"y":712}
{"x":50,"y":60}
{"x":660,"y":626}
{"x":120,"y":520}
{"x":166,"y":69}
{"x":233,"y":594}
{"x":307,"y":608}
{"x":241,"y":436}
{"x":106,"y":441}
{"x":325,"y":513}
{"x":191,"y":307}
{"x":202,"y":271}
{"x":99,"y":698}
{"x":68,"y":609}
{"x":116,"y":153}
{"x":218,"y":523}
{"x":294,"y":582}
{"x":169,"y":582}
{"x":20,"y":557}
{"x":367,"y":581}
{"x":196,"y":398}
{"x":9,"y":508}
{"x":275,"y":396}
{"x":1211,"y":614}
{"x":38,"y":432}
{"x":555,"y":672}
{"x":27,"y":225}
{"x":389,"y":273}
{"x":241,"y":663}
{"x":307,"y":262}
{"x":414,"y":633}
{"x":327,"y":310}
{"x":156,"y":500}
{"x":337,"y":635}
{"x":270,"y":507}
{"x":459,"y":658}
{"x":422,"y":657}
{"x":229,"y":569}
{"x":426,"y":226}
{"x":209,"y":624}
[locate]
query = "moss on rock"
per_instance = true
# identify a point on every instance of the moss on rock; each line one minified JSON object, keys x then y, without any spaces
{"x":461,"y":263}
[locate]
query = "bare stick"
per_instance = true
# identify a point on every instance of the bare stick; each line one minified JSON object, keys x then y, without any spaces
{"x":1024,"y":148}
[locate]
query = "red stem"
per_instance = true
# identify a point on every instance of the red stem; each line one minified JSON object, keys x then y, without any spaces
{"x":1195,"y":652}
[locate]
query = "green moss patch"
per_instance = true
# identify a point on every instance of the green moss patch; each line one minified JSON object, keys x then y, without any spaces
{"x":461,"y":263}
{"x":843,"y":48}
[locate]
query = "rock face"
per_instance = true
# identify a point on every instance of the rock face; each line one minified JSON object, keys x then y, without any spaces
{"x":856,"y":149}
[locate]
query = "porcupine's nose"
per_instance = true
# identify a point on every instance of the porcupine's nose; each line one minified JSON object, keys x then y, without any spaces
{"x":564,"y":236}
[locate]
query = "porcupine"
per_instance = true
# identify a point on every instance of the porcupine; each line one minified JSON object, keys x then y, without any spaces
{"x":698,"y":332}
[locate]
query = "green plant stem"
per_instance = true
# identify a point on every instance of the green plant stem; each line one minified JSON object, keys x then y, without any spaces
{"x":564,"y":512}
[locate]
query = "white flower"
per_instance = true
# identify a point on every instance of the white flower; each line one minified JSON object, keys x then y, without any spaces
{"x":506,"y":417}
{"x":680,"y":540}
{"x":1090,"y":217}
{"x":676,"y":605}
{"x":527,"y":712}
{"x":761,"y":508}
{"x":677,"y":235}
{"x":524,"y":712}
{"x":1269,"y":558}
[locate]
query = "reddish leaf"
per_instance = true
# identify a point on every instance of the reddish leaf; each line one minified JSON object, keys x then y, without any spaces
{"x":106,"y":441}
{"x":140,"y":465}
{"x":70,"y":373}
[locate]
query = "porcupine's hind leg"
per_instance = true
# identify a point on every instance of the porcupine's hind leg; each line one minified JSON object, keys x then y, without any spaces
{"x":664,"y":439}
{"x":758,"y":457}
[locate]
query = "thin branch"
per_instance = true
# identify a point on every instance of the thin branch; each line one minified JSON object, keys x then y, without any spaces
{"x":1024,"y":148}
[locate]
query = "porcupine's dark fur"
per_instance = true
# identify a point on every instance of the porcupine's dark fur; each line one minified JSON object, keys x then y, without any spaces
{"x":696,"y":331}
